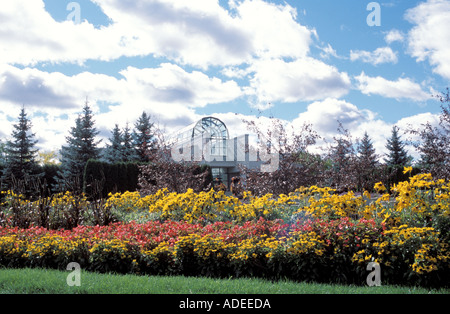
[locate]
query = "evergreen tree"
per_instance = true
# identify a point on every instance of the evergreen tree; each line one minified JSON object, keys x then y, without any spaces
{"x":397,"y":158}
{"x":129,"y":153}
{"x":115,"y":151}
{"x":367,"y":161}
{"x":143,"y":137}
{"x":20,"y":153}
{"x":366,"y":152}
{"x":397,"y":155}
{"x":342,"y":157}
{"x":81,"y":146}
{"x":2,"y":154}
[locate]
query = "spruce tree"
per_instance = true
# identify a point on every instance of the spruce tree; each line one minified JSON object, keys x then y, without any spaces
{"x":129,"y":153}
{"x":81,"y":146}
{"x":397,"y":155}
{"x":114,"y":152}
{"x":342,"y":157}
{"x":20,"y":152}
{"x":367,"y":161}
{"x":341,"y":162}
{"x":143,"y":137}
{"x":397,"y":158}
{"x":2,"y":154}
{"x":366,"y":152}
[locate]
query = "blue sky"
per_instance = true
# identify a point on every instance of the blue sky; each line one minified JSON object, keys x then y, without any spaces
{"x":299,"y":61}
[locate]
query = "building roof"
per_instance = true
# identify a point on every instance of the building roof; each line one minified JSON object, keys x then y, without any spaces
{"x":214,"y":127}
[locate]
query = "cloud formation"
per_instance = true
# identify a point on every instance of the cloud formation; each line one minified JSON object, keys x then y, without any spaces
{"x":198,"y":53}
{"x":403,"y":88}
{"x":379,"y":56}
{"x":429,"y":39}
{"x":304,"y":79}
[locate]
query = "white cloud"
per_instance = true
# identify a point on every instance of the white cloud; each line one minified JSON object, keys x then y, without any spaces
{"x":199,"y":33}
{"x":28,"y":35}
{"x":328,"y":51}
{"x":170,"y":83}
{"x":429,"y":39}
{"x":393,"y":36}
{"x":305,"y":79}
{"x":275,"y":31}
{"x":168,"y":92}
{"x":403,"y":88}
{"x":379,"y":56}
{"x":324,"y":116}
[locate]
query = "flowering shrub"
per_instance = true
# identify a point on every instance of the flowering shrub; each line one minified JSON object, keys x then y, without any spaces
{"x":312,"y":234}
{"x":61,"y":210}
{"x":321,"y":250}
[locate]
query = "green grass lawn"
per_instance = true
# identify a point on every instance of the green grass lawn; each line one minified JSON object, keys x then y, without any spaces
{"x":32,"y":281}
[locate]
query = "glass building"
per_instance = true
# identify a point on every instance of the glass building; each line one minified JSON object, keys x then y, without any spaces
{"x":208,"y":141}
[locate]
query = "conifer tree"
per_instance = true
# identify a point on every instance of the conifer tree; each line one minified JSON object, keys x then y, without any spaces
{"x":397,"y":155}
{"x":2,"y":154}
{"x":114,"y":152}
{"x":367,"y":163}
{"x":342,"y":157}
{"x":129,"y":153}
{"x":81,"y":146}
{"x":397,"y":158}
{"x":366,"y":152}
{"x":143,"y":137}
{"x":20,"y":153}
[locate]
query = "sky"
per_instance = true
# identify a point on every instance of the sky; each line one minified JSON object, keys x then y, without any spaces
{"x":369,"y":65}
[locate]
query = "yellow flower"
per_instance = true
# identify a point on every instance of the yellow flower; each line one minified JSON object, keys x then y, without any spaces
{"x":379,"y":186}
{"x":407,"y":170}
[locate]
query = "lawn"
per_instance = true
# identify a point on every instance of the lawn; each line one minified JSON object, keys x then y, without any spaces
{"x":45,"y":281}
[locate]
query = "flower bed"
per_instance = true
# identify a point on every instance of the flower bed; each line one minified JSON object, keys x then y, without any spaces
{"x":312,"y":234}
{"x":319,"y":250}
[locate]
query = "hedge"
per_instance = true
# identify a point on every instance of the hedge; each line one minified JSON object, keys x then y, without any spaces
{"x":101,"y":178}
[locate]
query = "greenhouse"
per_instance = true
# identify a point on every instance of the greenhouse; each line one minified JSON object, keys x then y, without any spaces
{"x":208,"y":141}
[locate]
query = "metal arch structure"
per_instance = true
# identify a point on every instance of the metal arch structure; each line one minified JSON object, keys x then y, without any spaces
{"x":213,"y":126}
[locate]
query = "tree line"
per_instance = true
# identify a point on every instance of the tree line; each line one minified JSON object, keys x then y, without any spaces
{"x":18,"y":156}
{"x":352,"y":164}
{"x":348,"y":164}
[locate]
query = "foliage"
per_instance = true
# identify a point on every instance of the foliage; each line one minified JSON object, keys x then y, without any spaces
{"x":162,"y":172}
{"x":144,"y":137}
{"x":81,"y":146}
{"x":101,"y":178}
{"x":121,"y":147}
{"x":57,"y":211}
{"x":434,"y":144}
{"x":316,"y":250}
{"x":114,"y":151}
{"x":297,"y":166}
{"x":312,"y":234}
{"x":367,"y":164}
{"x":397,"y":155}
{"x":20,"y":152}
